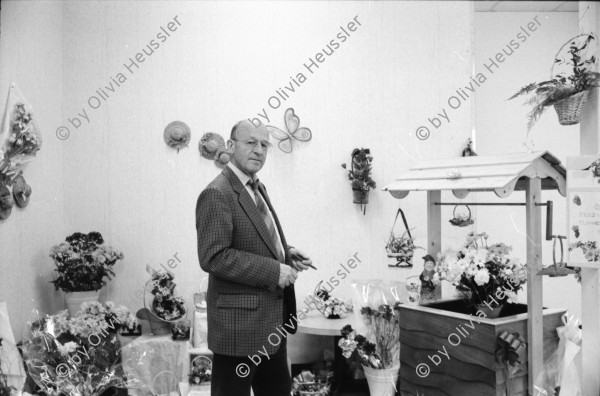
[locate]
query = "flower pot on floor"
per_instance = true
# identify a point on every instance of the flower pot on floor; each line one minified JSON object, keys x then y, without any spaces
{"x":73,"y":300}
{"x":382,"y":382}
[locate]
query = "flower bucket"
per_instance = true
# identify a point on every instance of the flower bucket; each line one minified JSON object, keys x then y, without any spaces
{"x":382,"y":382}
{"x":569,"y":109}
{"x":360,"y":196}
{"x":73,"y":300}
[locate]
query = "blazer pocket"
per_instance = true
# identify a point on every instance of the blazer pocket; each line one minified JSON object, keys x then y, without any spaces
{"x":242,"y":301}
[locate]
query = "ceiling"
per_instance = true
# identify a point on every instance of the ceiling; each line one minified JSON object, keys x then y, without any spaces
{"x":526,"y":6}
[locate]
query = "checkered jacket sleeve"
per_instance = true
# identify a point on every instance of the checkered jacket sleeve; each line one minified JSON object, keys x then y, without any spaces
{"x":214,"y":223}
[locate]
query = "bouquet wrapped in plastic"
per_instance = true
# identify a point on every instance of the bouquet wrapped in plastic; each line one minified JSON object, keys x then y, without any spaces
{"x":79,"y":356}
{"x":20,"y":137}
{"x":562,"y":373}
{"x":378,"y":321}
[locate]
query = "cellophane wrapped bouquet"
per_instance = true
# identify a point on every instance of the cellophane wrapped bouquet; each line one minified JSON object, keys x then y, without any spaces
{"x":78,"y":356}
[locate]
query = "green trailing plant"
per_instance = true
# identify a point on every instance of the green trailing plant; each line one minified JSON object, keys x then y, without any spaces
{"x":360,"y":170}
{"x":547,"y":93}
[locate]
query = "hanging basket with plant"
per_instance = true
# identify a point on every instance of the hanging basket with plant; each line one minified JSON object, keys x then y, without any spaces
{"x":360,"y":176}
{"x":400,"y":249}
{"x":568,"y":93}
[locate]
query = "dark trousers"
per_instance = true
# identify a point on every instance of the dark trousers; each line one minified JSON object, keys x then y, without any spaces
{"x":234,"y":375}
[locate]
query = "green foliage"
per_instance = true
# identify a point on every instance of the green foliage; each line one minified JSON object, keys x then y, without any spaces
{"x":360,"y":170}
{"x":83,"y":262}
{"x":547,"y":93}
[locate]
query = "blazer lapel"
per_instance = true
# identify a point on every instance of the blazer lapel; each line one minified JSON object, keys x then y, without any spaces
{"x":247,"y":203}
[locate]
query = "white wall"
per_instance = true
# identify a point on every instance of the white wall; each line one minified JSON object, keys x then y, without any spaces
{"x":221,"y":65}
{"x":115,"y":175}
{"x":31,"y":53}
{"x":501,"y":128}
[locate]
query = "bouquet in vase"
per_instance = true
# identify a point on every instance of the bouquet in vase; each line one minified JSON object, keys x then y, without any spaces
{"x":384,"y":329}
{"x":484,"y":274}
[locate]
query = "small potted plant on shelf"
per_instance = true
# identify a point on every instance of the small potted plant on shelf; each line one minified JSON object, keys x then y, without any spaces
{"x":331,"y":307}
{"x":84,"y":265}
{"x":567,"y":93}
{"x":360,"y":175}
{"x":162,"y":308}
{"x":200,"y":372}
{"x":307,"y":384}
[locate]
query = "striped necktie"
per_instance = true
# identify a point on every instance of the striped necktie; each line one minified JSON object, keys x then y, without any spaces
{"x":264,"y":213}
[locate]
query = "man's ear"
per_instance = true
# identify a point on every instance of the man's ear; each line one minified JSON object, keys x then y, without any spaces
{"x":229,"y":144}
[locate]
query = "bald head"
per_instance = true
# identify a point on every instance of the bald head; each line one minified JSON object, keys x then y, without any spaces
{"x":247,"y":142}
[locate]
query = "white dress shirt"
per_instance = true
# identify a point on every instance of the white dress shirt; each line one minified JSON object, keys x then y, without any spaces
{"x":244,"y":178}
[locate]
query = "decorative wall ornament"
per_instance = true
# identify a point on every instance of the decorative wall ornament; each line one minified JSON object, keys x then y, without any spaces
{"x":210,"y":144}
{"x":177,"y":135}
{"x":212,"y":147}
{"x":360,"y":176}
{"x":461,"y":219}
{"x":292,"y":132}
{"x":468,"y":151}
{"x":21,"y":192}
{"x":222,"y":157}
{"x":6,"y":202}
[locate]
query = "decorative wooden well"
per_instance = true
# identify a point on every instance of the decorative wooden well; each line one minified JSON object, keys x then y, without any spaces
{"x":503,"y":174}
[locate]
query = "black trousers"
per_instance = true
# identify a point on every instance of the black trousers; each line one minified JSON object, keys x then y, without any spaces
{"x":234,"y":375}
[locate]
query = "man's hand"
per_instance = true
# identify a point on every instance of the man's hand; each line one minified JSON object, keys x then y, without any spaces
{"x":287,"y":275}
{"x":300,"y":260}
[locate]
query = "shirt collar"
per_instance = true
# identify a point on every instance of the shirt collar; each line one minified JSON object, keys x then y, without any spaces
{"x":244,"y":178}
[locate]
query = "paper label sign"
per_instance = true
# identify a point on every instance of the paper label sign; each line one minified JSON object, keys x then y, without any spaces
{"x":583,"y":211}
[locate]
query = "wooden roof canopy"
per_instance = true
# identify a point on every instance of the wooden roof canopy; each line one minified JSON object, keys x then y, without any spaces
{"x":501,"y":174}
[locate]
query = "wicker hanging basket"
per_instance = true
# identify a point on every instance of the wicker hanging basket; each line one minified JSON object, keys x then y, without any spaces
{"x":569,"y":109}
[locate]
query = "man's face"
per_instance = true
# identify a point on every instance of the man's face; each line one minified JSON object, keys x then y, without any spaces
{"x":249,"y":153}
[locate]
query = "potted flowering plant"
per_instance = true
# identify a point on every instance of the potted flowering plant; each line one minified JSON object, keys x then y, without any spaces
{"x":162,"y":308}
{"x":380,"y":359}
{"x":568,"y":94}
{"x":401,"y":249}
{"x":84,"y":264}
{"x":360,"y":175}
{"x":78,"y":355}
{"x":480,"y":272}
{"x":331,"y":307}
{"x":201,"y":371}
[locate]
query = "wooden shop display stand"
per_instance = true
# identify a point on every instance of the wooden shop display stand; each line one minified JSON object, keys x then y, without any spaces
{"x":502,"y":175}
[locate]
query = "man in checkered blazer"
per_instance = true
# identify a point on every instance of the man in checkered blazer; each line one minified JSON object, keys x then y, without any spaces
{"x":251,"y":300}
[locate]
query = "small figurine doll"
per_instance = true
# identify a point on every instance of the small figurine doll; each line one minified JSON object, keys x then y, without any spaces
{"x":426,"y":277}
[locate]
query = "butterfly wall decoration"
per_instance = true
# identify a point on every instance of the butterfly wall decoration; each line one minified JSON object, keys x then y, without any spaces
{"x":292,"y":132}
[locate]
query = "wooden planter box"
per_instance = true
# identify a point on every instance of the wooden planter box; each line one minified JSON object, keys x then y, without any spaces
{"x":471,"y":368}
